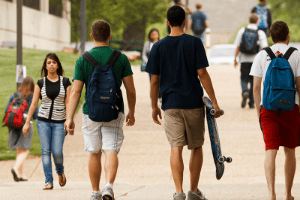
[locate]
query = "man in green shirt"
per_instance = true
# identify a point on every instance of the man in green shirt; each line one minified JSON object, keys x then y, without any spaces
{"x":106,"y":137}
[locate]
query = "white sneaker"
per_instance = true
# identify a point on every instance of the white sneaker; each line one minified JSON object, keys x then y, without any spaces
{"x":107,"y":193}
{"x":179,"y":196}
{"x":96,"y":196}
{"x":198,"y":195}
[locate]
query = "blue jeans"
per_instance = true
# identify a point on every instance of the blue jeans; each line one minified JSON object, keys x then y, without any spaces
{"x":52,"y":138}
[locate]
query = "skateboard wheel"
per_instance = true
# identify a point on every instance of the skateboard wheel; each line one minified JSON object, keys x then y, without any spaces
{"x":229,"y":159}
{"x":221,"y":159}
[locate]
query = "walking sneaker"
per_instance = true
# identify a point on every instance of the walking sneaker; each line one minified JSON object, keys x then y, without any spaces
{"x":107,"y":193}
{"x":198,"y":195}
{"x":245,"y":96}
{"x":179,"y":196}
{"x":96,"y":196}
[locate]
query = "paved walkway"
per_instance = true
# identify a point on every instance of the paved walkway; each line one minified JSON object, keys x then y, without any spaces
{"x":144,"y":159}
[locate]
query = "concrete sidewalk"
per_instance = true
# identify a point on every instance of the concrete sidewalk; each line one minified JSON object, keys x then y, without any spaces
{"x":144,"y":172}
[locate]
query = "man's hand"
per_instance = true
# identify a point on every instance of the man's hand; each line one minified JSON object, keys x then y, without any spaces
{"x":235,"y":62}
{"x":70,"y":126}
{"x":156,"y":113}
{"x":130,"y":119}
{"x":218,"y":111}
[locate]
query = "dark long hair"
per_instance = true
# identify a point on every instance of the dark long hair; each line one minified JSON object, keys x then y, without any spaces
{"x":53,"y":56}
{"x":151,"y":31}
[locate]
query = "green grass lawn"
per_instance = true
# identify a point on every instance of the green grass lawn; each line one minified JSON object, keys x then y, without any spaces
{"x":33,"y":60}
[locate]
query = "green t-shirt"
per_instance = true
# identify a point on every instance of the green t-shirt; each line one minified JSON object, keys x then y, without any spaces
{"x":83,"y":69}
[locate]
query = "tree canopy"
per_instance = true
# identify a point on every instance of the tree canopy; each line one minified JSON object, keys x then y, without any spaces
{"x":288,"y":11}
{"x":128,"y":19}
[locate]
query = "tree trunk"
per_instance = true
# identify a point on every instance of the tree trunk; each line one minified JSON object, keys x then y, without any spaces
{"x":133,"y":36}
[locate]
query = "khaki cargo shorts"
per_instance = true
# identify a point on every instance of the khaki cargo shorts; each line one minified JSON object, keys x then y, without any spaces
{"x":185,"y":127}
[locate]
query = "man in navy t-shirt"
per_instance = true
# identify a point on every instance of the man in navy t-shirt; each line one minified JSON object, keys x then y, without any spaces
{"x":177,"y":65}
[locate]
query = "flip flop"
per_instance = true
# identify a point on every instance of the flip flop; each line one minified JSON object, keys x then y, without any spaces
{"x":62,"y":180}
{"x":15,"y":176}
{"x":48,"y":186}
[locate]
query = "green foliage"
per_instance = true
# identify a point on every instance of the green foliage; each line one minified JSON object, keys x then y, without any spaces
{"x":120,"y":14}
{"x":288,"y":11}
{"x":33,"y":59}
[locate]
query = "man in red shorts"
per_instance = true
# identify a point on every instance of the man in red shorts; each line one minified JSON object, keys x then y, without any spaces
{"x":280,"y":128}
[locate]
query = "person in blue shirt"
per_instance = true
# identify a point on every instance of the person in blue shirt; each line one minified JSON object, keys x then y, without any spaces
{"x":177,"y":65}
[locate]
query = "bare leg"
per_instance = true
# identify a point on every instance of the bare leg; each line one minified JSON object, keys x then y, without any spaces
{"x":21,"y":155}
{"x":95,"y":170}
{"x":177,"y":167}
{"x":196,"y":162}
{"x":270,"y":157}
{"x":111,"y":166}
{"x":289,"y":169}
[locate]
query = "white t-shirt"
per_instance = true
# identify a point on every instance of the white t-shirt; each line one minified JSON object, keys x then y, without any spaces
{"x":262,"y":62}
{"x":262,"y":41}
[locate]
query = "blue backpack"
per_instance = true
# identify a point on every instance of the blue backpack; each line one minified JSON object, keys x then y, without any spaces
{"x":279,"y":85}
{"x":104,"y":97}
{"x":262,"y":12}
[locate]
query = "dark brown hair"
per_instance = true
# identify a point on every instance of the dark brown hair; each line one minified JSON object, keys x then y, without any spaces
{"x":151,"y":31}
{"x":100,"y":30}
{"x":198,"y":6}
{"x":279,"y":31}
{"x":52,"y":56}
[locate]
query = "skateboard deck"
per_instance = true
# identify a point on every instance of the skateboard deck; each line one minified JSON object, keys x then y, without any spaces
{"x":219,"y":159}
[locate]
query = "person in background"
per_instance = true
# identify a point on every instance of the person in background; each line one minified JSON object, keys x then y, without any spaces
{"x":54,"y":91}
{"x":17,"y":140}
{"x":265,"y":16}
{"x":153,"y":36}
{"x":247,"y":51}
{"x":199,"y":23}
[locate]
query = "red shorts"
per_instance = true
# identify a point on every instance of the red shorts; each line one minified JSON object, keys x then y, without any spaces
{"x":280,"y":128}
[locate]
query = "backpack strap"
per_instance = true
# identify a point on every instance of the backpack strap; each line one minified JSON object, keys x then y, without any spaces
{"x":113,"y":58}
{"x":270,"y":52}
{"x":90,"y":59}
{"x":289,"y":52}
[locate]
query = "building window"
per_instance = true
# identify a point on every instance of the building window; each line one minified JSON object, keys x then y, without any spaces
{"x":56,"y":7}
{"x":35,"y":4}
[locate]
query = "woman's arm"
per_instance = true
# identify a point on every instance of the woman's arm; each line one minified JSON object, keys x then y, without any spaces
{"x":32,"y":108}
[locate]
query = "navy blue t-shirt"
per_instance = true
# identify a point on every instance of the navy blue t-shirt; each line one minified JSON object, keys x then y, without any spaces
{"x":176,"y":60}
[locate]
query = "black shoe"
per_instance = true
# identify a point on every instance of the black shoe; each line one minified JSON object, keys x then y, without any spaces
{"x":251,"y":106}
{"x":245,"y":96}
{"x":23,"y":179}
{"x":15,"y":176}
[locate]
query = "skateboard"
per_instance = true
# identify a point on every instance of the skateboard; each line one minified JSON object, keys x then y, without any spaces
{"x":219,"y":159}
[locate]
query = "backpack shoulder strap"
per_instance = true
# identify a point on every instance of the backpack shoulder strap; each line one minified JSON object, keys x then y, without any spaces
{"x":113,"y":58}
{"x":289,"y":52}
{"x":90,"y":59}
{"x":270,"y":52}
